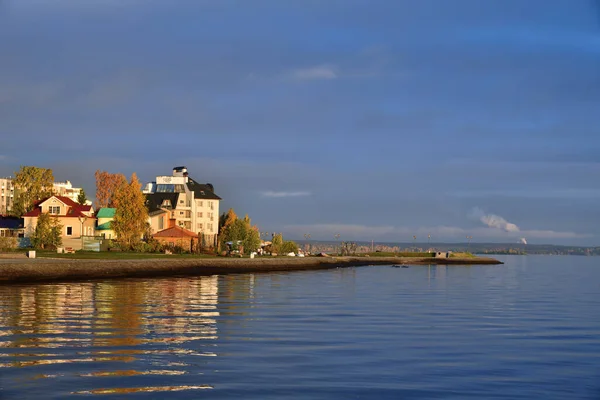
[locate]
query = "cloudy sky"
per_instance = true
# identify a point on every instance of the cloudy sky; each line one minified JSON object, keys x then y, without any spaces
{"x":369,"y":118}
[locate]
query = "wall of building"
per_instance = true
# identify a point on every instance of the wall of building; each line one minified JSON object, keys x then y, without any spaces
{"x":7,"y":195}
{"x":88,"y":227}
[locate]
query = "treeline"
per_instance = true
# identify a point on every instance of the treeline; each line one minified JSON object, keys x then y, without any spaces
{"x":238,"y":234}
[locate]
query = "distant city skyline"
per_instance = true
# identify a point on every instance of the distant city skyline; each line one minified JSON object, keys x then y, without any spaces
{"x":370,"y":119}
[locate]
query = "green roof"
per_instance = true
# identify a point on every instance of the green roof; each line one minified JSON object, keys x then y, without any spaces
{"x":104,"y":227}
{"x":106,"y":213}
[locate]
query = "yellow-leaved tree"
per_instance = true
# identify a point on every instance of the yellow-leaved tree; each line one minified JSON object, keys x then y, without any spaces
{"x":31,"y":184}
{"x":131,"y":215}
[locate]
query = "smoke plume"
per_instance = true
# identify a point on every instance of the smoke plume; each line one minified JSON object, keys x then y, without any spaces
{"x":523,"y":241}
{"x":494,"y":221}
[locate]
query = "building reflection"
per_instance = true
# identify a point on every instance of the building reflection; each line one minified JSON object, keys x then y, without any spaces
{"x":121,"y":320}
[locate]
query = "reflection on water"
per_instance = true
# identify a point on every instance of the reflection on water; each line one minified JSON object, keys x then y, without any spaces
{"x":107,"y":324}
{"x":527,"y":329}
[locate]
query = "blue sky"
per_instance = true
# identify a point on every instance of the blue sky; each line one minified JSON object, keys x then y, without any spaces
{"x":372,"y":119}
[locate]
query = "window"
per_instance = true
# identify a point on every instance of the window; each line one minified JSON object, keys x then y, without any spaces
{"x":200,"y":214}
{"x":200,"y":203}
{"x":199,"y":225}
{"x":54,"y":209}
{"x":180,"y":201}
{"x":161,"y":223}
{"x":69,"y":231}
{"x":180,"y":212}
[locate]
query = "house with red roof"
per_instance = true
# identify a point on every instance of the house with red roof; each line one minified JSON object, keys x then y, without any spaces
{"x":177,"y":236}
{"x":77,"y":220}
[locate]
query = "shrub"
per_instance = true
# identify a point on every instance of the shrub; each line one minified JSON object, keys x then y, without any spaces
{"x":289,"y":247}
{"x":8,"y":243}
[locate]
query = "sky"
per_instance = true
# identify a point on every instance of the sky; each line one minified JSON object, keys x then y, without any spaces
{"x":373,"y":119}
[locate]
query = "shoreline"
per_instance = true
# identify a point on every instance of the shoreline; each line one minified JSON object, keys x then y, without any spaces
{"x":60,"y":269}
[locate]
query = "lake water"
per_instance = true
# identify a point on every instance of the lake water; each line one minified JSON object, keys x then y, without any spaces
{"x":529,"y":329}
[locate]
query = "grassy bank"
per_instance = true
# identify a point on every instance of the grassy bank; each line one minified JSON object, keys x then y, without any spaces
{"x":115,"y":255}
{"x":399,"y":254}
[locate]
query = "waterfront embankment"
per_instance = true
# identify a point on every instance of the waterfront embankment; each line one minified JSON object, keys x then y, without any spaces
{"x":46,"y":269}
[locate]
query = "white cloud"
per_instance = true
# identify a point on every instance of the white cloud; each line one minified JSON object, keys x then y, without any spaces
{"x":316,"y":72}
{"x":494,"y":221}
{"x":285,"y":194}
{"x":438,"y":233}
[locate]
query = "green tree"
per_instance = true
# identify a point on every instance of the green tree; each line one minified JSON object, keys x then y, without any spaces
{"x":251,"y":238}
{"x":276,"y":243}
{"x":81,"y":197}
{"x":234,"y":229}
{"x":131,"y":215}
{"x":289,"y":247}
{"x":47,"y":234}
{"x":31,"y":184}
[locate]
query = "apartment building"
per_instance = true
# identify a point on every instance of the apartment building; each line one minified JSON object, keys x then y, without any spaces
{"x":179,"y":200}
{"x":66,"y":189}
{"x":7,"y":195}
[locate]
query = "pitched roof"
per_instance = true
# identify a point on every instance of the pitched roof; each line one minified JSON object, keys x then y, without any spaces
{"x":202,"y":191}
{"x":74,"y":209}
{"x":175,"y":232}
{"x":154,"y":201}
{"x":104,"y":227}
{"x":11,"y":223}
{"x":106,"y":212}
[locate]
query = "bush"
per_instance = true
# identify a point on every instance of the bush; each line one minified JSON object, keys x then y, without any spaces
{"x":289,"y":247}
{"x":8,"y":243}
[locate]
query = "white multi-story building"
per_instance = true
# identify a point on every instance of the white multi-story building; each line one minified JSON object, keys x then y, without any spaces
{"x":7,"y":195}
{"x":178,"y":200}
{"x":66,"y":189}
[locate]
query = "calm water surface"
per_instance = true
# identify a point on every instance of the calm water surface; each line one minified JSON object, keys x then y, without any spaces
{"x":527,"y":329}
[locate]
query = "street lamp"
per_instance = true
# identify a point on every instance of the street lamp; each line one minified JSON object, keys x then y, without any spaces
{"x":415,"y":243}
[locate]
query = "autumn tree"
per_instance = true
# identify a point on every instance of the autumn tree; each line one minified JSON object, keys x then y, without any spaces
{"x":131,"y":215}
{"x":47,"y":234}
{"x":31,"y":184}
{"x":107,"y":185}
{"x":81,"y":197}
{"x":234,"y":229}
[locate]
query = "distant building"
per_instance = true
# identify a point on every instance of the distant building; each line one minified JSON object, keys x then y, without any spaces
{"x":443,"y":254}
{"x":178,"y":200}
{"x":66,"y":189}
{"x":7,"y":195}
{"x":77,"y":220}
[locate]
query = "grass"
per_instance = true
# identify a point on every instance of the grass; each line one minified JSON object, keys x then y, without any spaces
{"x":462,"y":255}
{"x":114,"y":255}
{"x":401,"y":254}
